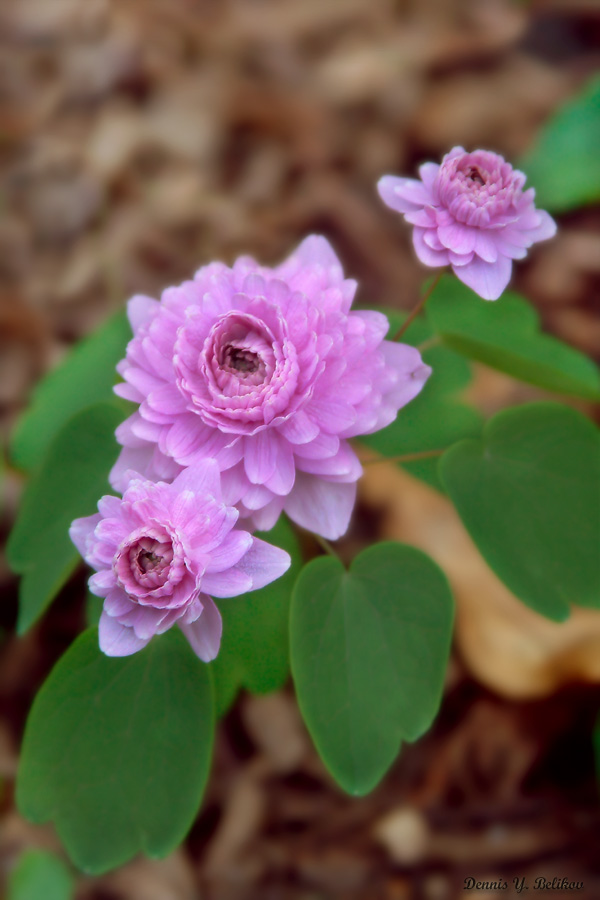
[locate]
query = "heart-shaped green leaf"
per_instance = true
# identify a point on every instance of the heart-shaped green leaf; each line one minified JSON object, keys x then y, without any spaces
{"x":117,"y":751}
{"x":564,"y":166}
{"x":369,"y":649}
{"x":505,"y":335}
{"x":528,"y":494}
{"x":72,"y":479}
{"x":40,"y":875}
{"x":436,"y":418}
{"x":254,"y":650}
{"x":84,"y":378}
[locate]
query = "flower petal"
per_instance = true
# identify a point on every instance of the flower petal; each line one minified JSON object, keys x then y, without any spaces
{"x":299,"y":428}
{"x":486,"y":279}
{"x":428,"y":256}
{"x":202,"y":478}
{"x":264,"y":563}
{"x":321,"y":506}
{"x":140,"y":309}
{"x":457,"y":237}
{"x":116,"y":639}
{"x":81,"y":530}
{"x":204,"y":634}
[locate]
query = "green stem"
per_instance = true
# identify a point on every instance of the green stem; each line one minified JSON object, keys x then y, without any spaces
{"x":325,"y":545}
{"x":433,"y":341}
{"x":418,"y":307}
{"x":405,"y":457}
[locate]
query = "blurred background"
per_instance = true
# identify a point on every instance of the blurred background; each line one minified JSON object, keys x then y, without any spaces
{"x":140,"y":139}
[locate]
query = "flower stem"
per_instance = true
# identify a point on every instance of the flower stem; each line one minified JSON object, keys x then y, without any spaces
{"x":404,"y":457}
{"x":415,"y":312}
{"x":433,"y":341}
{"x":325,"y":545}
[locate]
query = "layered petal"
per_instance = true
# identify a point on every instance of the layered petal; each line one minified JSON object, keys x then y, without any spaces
{"x":470,"y":212}
{"x":263,"y":371}
{"x":161,"y":550}
{"x":321,"y":506}
{"x":204,"y":634}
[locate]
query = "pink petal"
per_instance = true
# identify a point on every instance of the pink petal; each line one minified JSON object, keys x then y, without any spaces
{"x":323,"y":446}
{"x":108,"y":506}
{"x":204,"y":634}
{"x":432,"y":240}
{"x":167,"y":399}
{"x":116,"y":639}
{"x":229,"y":553}
{"x":282,"y":480}
{"x":544,"y":230}
{"x":485,"y":247}
{"x":486,"y":279}
{"x":412,"y":372}
{"x":460,"y":259}
{"x":459,"y":238}
{"x":202,"y":478}
{"x":260,"y":455}
{"x":234,"y":483}
{"x":429,"y":172}
{"x":264,"y":563}
{"x":185,"y":438}
{"x":409,"y":190}
{"x":264,"y":519}
{"x":140,"y":309}
{"x":139,"y":459}
{"x":316,"y":250}
{"x":332,"y":413}
{"x":425,"y":218}
{"x":321,"y":506}
{"x":389,"y":190}
{"x":125,"y":434}
{"x":102,"y":582}
{"x":230,"y":583}
{"x":81,"y":530}
{"x":299,"y":428}
{"x":117,"y":603}
{"x":344,"y":465}
{"x":428,"y":256}
{"x":128,"y":392}
{"x":507,"y":248}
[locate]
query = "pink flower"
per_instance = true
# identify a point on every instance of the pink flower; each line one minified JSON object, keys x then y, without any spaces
{"x":472,"y":213}
{"x":268,"y":372}
{"x":161,"y":551}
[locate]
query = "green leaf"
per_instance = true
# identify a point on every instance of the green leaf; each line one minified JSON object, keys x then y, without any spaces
{"x":40,"y":875}
{"x":436,"y":418}
{"x":72,"y":479}
{"x":564,"y":165}
{"x":505,"y":335}
{"x":117,"y":751}
{"x":369,"y":649}
{"x":93,"y":609}
{"x":254,"y":650}
{"x":528,"y":494}
{"x":84,"y":378}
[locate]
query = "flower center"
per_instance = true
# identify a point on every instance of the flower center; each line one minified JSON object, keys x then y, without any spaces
{"x":243,"y":361}
{"x":148,"y":560}
{"x":475,"y":175}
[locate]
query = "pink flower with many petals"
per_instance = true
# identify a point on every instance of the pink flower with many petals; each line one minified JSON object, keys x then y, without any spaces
{"x":268,"y":372}
{"x":470,"y":212}
{"x":161,"y":552}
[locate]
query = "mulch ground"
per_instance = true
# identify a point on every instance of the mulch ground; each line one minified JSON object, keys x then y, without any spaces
{"x":141,"y":139}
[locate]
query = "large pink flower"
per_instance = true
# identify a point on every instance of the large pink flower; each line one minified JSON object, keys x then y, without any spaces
{"x":470,"y":212}
{"x":268,"y":372}
{"x":161,"y":551}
